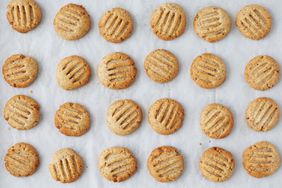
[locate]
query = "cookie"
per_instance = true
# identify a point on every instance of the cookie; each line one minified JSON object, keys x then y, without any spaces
{"x":117,"y":164}
{"x":22,"y":112}
{"x":217,"y":164}
{"x":208,"y":71}
{"x":20,"y":71}
{"x":254,"y":21}
{"x":166,"y":164}
{"x":23,"y":15}
{"x":117,"y":71}
{"x":168,"y":21}
{"x":212,"y":24}
{"x":261,"y":159}
{"x":116,"y":25}
{"x":66,"y":165}
{"x":161,"y":66}
{"x":124,"y":117}
{"x":262,"y":114}
{"x":166,"y":116}
{"x":73,"y":72}
{"x":21,"y":160}
{"x":216,"y":121}
{"x":72,"y":119}
{"x":262,"y":72}
{"x":72,"y":22}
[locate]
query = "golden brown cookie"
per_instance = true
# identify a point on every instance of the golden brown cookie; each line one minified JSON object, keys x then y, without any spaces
{"x":161,"y":66}
{"x":23,"y":15}
{"x":73,"y":72}
{"x":208,"y":71}
{"x":166,"y":116}
{"x":165,"y":164}
{"x":216,"y":121}
{"x":212,"y":24}
{"x":117,"y":164}
{"x":72,"y":119}
{"x":22,"y":112}
{"x":20,"y":71}
{"x":72,"y":22}
{"x":262,"y":72}
{"x":116,"y":25}
{"x":261,"y":159}
{"x":254,"y":21}
{"x":66,"y":166}
{"x":168,"y":21}
{"x":217,"y":164}
{"x":21,"y":160}
{"x":262,"y":114}
{"x":117,"y":71}
{"x":124,"y":117}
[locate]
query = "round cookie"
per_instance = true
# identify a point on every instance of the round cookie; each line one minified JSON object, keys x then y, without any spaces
{"x":117,"y":71}
{"x":166,"y":116}
{"x":66,"y":166}
{"x":73,"y":72}
{"x":262,"y":114}
{"x":20,"y":71}
{"x":72,"y":22}
{"x":254,"y":21}
{"x":23,"y":15}
{"x":72,"y":119}
{"x":168,"y":21}
{"x":217,"y":164}
{"x":166,"y":164}
{"x":161,"y":66}
{"x":21,"y":160}
{"x":212,"y":24}
{"x":117,"y":164}
{"x":262,"y":72}
{"x":261,"y":159}
{"x":124,"y":117}
{"x":208,"y":71}
{"x":216,"y":121}
{"x":22,"y":112}
{"x":116,"y":25}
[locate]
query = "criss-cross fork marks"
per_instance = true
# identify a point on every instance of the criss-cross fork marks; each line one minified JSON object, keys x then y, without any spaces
{"x":211,"y":24}
{"x":168,"y":165}
{"x":254,"y":23}
{"x":19,"y":113}
{"x":23,"y":15}
{"x":70,"y":117}
{"x":120,"y":70}
{"x":263,"y":72}
{"x":168,"y":22}
{"x":74,"y":70}
{"x":265,"y":114}
{"x":118,"y":164}
{"x":161,"y":64}
{"x":66,"y":169}
{"x":116,"y":25}
{"x":167,"y":115}
{"x":216,"y":165}
{"x":125,"y":116}
{"x":69,"y":19}
{"x":216,"y":121}
{"x":207,"y":70}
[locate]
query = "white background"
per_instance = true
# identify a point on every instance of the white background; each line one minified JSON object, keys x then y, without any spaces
{"x":44,"y":45}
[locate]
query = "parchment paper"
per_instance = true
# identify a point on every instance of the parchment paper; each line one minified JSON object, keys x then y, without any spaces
{"x":44,"y":45}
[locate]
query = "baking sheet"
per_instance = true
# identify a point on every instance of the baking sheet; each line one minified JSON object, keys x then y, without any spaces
{"x":49,"y":49}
